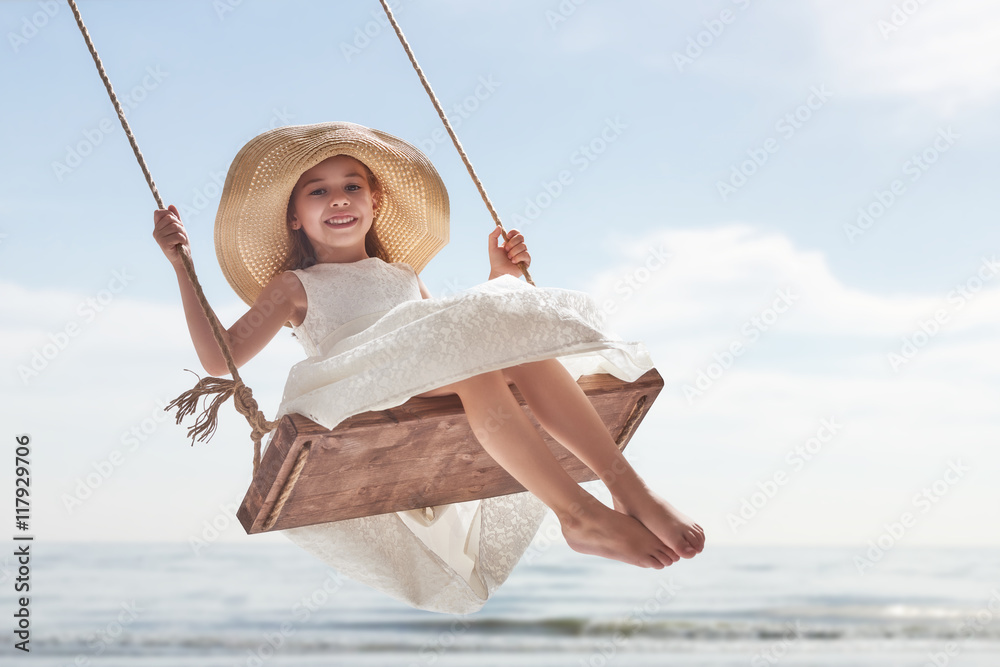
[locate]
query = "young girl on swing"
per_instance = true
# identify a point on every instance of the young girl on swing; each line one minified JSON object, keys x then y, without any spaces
{"x":322,"y":228}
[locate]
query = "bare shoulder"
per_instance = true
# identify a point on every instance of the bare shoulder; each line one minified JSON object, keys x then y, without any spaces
{"x":286,"y":288}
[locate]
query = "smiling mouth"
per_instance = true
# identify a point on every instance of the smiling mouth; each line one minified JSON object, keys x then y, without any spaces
{"x":340,"y":221}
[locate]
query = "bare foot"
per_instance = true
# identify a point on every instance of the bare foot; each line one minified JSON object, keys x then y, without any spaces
{"x":674,"y":528}
{"x":594,"y":528}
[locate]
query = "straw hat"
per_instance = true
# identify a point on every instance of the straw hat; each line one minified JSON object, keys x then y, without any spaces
{"x":252,"y":240}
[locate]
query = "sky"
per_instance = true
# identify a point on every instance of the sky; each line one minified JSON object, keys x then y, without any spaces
{"x":793,"y":205}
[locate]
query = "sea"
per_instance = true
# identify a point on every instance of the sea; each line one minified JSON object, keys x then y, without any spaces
{"x":254,"y":604}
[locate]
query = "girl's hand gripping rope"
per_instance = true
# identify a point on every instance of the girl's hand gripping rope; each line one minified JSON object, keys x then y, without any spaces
{"x":168,"y":230}
{"x":504,"y":258}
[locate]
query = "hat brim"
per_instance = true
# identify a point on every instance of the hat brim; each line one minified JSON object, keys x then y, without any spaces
{"x":252,"y":239}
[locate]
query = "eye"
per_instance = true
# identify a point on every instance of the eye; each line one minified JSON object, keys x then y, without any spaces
{"x":353,"y":185}
{"x":317,"y":191}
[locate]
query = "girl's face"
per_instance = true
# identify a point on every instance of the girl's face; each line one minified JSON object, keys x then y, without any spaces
{"x":334,"y":205}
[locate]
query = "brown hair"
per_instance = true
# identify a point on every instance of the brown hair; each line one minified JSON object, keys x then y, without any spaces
{"x":301,"y":254}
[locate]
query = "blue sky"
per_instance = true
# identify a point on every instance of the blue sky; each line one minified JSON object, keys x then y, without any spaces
{"x":809,"y":111}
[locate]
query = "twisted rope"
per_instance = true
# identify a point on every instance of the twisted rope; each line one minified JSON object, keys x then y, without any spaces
{"x":451,"y":132}
{"x":188,"y":401}
{"x":286,"y":489}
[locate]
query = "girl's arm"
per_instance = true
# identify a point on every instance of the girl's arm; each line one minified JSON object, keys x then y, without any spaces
{"x":277,"y":303}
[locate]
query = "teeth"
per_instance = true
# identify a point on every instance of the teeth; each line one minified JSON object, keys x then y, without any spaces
{"x":345,"y":222}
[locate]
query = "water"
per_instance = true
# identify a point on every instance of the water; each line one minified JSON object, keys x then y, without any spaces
{"x":256,"y":603}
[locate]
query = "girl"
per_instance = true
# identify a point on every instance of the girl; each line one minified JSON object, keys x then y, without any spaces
{"x":313,"y":228}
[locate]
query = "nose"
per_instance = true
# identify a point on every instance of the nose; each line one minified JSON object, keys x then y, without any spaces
{"x":339,"y":199}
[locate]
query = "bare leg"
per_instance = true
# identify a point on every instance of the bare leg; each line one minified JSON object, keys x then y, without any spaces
{"x":588,"y":525}
{"x":563,"y":409}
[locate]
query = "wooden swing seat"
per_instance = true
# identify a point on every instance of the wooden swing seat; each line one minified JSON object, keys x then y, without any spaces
{"x":415,"y":455}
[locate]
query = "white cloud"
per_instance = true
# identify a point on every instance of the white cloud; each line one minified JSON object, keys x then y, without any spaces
{"x":944,"y":54}
{"x":718,"y":278}
{"x":827,"y":356}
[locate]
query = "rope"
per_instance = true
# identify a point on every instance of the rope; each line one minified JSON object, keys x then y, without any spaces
{"x":631,"y":422}
{"x":451,"y":132}
{"x":187,"y":402}
{"x":286,"y":489}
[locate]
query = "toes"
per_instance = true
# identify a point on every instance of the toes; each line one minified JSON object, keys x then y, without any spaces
{"x":651,"y":561}
{"x":695,"y":538}
{"x":691,"y":546}
{"x":670,"y":554}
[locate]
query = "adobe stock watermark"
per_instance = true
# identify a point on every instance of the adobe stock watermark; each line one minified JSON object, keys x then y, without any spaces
{"x":31,"y":25}
{"x":973,"y":624}
{"x":301,"y":611}
{"x":914,"y":167}
{"x":434,"y":647}
{"x":796,"y":458}
{"x":704,"y":39}
{"x":460,"y":112}
{"x":549,"y":533}
{"x":605,"y":650}
{"x":94,"y":137}
{"x":899,"y":16}
{"x":103,"y":469}
{"x":582,"y":158}
{"x":99,"y":641}
{"x":751,"y":330}
{"x":451,"y":286}
{"x":223,"y":7}
{"x":204,"y":196}
{"x":562,"y":12}
{"x":371,"y":30}
{"x":212,"y":529}
{"x":922,"y":501}
{"x":87,"y":310}
{"x":928,"y":328}
{"x":6,"y":574}
{"x":632,"y":281}
{"x":779,"y":648}
{"x":786,"y":126}
{"x":261,"y":309}
{"x":485,"y":426}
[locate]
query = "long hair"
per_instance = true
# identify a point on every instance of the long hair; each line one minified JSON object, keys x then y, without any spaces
{"x":302,"y":255}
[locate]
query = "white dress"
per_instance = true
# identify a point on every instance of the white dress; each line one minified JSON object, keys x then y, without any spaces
{"x":372,"y":343}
